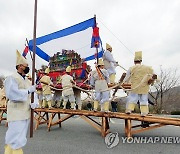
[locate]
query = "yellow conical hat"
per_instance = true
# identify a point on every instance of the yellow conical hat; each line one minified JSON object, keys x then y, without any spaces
{"x":20,"y":59}
{"x":47,"y":70}
{"x":68,"y":69}
{"x":108,"y":46}
{"x":100,"y":62}
{"x":138,"y":56}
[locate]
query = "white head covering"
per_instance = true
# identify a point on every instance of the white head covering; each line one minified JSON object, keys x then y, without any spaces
{"x":20,"y":59}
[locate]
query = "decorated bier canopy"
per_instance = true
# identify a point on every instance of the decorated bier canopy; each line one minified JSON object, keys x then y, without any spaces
{"x":61,"y":60}
{"x":82,"y":37}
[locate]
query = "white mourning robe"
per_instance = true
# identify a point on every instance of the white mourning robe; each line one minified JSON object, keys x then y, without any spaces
{"x":17,"y":129}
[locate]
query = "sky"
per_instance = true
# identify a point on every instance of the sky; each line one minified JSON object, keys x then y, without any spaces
{"x":150,"y":26}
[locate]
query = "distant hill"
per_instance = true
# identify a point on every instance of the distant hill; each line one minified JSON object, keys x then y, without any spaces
{"x":172,"y":100}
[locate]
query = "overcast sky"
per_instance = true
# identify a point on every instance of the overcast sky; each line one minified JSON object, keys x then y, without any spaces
{"x":152,"y":26}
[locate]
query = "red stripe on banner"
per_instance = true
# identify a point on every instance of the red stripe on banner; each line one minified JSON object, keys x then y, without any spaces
{"x":96,"y":32}
{"x":95,"y":38}
{"x":26,"y":49}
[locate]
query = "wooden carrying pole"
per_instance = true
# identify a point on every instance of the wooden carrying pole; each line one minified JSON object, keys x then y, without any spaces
{"x":33,"y":65}
{"x":101,"y":77}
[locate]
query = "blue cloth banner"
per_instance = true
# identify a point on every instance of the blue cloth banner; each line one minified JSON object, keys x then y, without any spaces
{"x":90,"y":23}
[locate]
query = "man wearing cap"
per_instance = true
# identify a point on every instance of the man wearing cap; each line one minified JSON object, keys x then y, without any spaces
{"x":46,"y":89}
{"x":138,"y":75}
{"x":67,"y":84}
{"x":18,"y":90}
{"x":100,"y":79}
{"x":109,"y":63}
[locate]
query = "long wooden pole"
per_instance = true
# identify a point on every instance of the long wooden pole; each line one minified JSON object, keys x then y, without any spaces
{"x":33,"y":65}
{"x":97,"y":55}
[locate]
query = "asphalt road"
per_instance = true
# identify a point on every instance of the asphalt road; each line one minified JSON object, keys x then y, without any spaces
{"x":78,"y":137}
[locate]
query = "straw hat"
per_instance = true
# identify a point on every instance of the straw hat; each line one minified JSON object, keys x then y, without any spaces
{"x":138,"y":56}
{"x":20,"y":59}
{"x":47,"y":70}
{"x":68,"y":69}
{"x":108,"y":46}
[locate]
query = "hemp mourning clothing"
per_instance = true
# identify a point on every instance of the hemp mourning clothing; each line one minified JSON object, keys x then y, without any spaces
{"x":18,"y":110}
{"x":101,"y":96}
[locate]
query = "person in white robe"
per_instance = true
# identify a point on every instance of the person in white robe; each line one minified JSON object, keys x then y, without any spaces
{"x":109,"y":63}
{"x":46,"y":89}
{"x":18,"y":90}
{"x":139,"y":76}
{"x":100,"y":84}
{"x":67,"y":85}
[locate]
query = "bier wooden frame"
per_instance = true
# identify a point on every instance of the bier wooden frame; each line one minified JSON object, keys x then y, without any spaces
{"x":103,"y":126}
{"x":47,"y":116}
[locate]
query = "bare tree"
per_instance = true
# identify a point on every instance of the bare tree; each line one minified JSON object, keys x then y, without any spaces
{"x":168,"y":80}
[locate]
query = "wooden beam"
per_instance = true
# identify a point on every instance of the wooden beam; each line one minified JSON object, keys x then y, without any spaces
{"x":40,"y":119}
{"x":128,"y":126}
{"x":94,"y":121}
{"x":91,"y":123}
{"x":43,"y":117}
{"x":137,"y":117}
{"x":105,"y":126}
{"x":59,"y":121}
{"x":50,"y":121}
{"x":146,"y":129}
